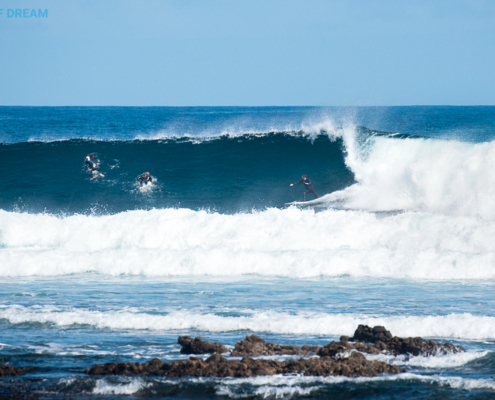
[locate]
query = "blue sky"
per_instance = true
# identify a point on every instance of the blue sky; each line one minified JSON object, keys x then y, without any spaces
{"x":249,"y":53}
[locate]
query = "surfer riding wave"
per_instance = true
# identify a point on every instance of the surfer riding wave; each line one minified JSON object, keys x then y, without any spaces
{"x":307,"y":184}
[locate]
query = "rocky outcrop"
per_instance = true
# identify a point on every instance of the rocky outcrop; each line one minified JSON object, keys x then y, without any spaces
{"x":371,"y":335}
{"x":217,"y":366}
{"x":198,"y":346}
{"x":418,"y":346}
{"x":9,"y":370}
{"x":255,"y":346}
{"x":334,"y":349}
{"x":342,"y":358}
{"x":382,"y":340}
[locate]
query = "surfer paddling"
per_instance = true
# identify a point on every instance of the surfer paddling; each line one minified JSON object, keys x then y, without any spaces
{"x":92,"y":166}
{"x":145,"y":179}
{"x":307,"y":184}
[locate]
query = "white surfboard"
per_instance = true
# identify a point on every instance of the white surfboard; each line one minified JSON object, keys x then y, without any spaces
{"x":308,"y":203}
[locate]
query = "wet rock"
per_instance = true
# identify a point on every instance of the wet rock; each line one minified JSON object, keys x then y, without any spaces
{"x":418,"y":346}
{"x":120,"y":368}
{"x":217,"y":366}
{"x":371,"y":335}
{"x":255,"y":346}
{"x":342,"y":358}
{"x":9,"y":370}
{"x":344,"y":338}
{"x":384,"y":342}
{"x":198,"y":346}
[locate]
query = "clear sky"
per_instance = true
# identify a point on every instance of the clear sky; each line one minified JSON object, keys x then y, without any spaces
{"x":250,"y":53}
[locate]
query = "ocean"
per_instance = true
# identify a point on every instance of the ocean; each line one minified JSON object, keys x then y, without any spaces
{"x":219,"y":245}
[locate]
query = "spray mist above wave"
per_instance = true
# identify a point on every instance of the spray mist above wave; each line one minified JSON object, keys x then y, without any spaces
{"x":310,"y":132}
{"x":199,"y":129}
{"x":288,"y":243}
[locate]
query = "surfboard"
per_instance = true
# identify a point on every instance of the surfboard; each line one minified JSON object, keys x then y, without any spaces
{"x":313,"y":202}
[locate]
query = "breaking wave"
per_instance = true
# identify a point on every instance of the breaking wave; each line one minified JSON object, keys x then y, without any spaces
{"x":288,"y":242}
{"x":452,"y":326}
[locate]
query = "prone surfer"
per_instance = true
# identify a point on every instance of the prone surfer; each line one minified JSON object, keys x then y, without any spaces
{"x":92,"y":165}
{"x":307,"y":184}
{"x":145,"y":179}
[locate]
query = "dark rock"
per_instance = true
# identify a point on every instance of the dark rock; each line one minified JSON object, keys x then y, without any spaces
{"x":120,"y":368}
{"x":198,"y":346}
{"x":418,"y":346}
{"x":9,"y":370}
{"x":255,"y":346}
{"x":217,"y":366}
{"x":371,"y":335}
{"x":331,"y":361}
{"x":384,"y":341}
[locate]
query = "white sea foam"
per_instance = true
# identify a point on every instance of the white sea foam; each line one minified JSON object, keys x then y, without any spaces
{"x":134,"y":385}
{"x":266,"y":391}
{"x":288,"y":243}
{"x":456,"y":326}
{"x":438,"y":361}
{"x":431,"y":175}
{"x":294,"y":385}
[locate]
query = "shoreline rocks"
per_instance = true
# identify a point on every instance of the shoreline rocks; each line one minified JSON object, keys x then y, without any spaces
{"x":332,"y":359}
{"x":198,"y":346}
{"x":381,"y":341}
{"x":255,"y":346}
{"x":217,"y":366}
{"x":9,"y":370}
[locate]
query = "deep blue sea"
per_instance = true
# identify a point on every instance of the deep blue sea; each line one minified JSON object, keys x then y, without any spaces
{"x":219,"y":245}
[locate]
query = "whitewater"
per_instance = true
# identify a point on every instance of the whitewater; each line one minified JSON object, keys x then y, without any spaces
{"x":220,"y":246}
{"x":289,"y":243}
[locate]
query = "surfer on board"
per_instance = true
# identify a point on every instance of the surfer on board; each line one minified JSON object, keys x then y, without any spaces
{"x":92,"y":165}
{"x":145,"y":179}
{"x":307,"y":184}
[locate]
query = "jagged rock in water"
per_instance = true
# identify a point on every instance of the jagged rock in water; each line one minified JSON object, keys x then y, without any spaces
{"x":384,"y":341}
{"x":331,"y":361}
{"x":9,"y":370}
{"x":255,"y":346}
{"x":217,"y":366}
{"x":418,"y":346}
{"x":198,"y":346}
{"x":371,"y":335}
{"x":334,"y":349}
